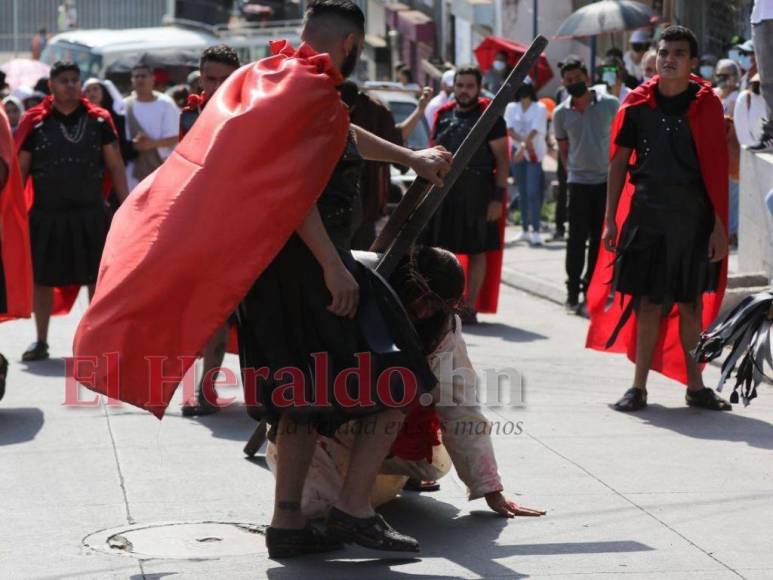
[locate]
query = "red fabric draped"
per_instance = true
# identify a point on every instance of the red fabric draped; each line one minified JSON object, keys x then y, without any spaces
{"x":64,"y":296}
{"x":191,"y":239}
{"x":706,"y":122}
{"x":14,"y":231}
{"x":488,"y":298}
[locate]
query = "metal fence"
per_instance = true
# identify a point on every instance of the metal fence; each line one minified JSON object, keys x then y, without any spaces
{"x":21,"y":19}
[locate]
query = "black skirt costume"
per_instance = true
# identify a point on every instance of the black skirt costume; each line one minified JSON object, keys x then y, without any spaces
{"x":460,"y":224}
{"x":284,"y":320}
{"x":663,"y":248}
{"x":69,"y":218}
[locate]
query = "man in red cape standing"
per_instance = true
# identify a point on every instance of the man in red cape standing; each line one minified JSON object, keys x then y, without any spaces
{"x":668,"y":264}
{"x":15,"y":260}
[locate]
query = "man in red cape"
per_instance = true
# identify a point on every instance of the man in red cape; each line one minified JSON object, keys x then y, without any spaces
{"x":471,"y":220}
{"x":15,"y":260}
{"x":668,"y":265}
{"x":272,"y":141}
{"x":68,"y":217}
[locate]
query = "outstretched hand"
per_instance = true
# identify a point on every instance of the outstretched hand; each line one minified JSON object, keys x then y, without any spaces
{"x":507,"y":508}
{"x":432,"y":164}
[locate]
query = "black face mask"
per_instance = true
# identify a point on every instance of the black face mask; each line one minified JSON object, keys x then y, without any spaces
{"x":350,"y":62}
{"x":577,"y":89}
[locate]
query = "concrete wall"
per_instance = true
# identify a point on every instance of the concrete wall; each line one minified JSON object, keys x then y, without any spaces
{"x":755,"y":235}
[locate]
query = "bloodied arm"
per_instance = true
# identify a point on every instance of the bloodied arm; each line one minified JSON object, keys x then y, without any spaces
{"x":111,"y":153}
{"x":431,"y":164}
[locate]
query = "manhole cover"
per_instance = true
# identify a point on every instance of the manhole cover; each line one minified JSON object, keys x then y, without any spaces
{"x":180,"y":540}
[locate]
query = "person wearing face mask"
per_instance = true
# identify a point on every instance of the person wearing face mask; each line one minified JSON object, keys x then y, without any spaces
{"x":613,"y":74}
{"x":640,"y":43}
{"x":727,"y":76}
{"x":581,"y":125}
{"x":496,"y":75}
{"x":747,"y":61}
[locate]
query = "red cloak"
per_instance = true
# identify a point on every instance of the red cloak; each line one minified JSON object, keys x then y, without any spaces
{"x":706,"y":121}
{"x":14,"y":232}
{"x":64,"y":297}
{"x":488,"y":298}
{"x":191,"y":239}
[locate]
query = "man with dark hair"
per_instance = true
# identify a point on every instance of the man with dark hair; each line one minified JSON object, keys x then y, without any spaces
{"x":468,"y":221}
{"x":152,"y":124}
{"x":216,"y":65}
{"x":65,"y":146}
{"x":581,"y":125}
{"x":669,"y":255}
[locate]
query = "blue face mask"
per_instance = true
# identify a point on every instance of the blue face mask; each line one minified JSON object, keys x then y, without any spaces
{"x":733,"y":54}
{"x":707,"y":72}
{"x":745,"y":61}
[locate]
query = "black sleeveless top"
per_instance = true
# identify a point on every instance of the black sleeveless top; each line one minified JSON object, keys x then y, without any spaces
{"x":665,"y":151}
{"x":453,"y":126}
{"x":67,"y":167}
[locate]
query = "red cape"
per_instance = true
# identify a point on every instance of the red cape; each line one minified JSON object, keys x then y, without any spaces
{"x":191,"y":239}
{"x":706,"y":121}
{"x":14,"y":232}
{"x":488,"y":299}
{"x":64,"y":297}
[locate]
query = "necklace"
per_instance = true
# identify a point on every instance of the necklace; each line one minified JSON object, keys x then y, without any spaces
{"x":77,"y":135}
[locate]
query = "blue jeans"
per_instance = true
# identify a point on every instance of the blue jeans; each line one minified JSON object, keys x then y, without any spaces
{"x":734,"y":191}
{"x":530,"y":182}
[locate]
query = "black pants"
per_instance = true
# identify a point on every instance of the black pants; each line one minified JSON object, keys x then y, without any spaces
{"x":587,"y":204}
{"x":561,"y":198}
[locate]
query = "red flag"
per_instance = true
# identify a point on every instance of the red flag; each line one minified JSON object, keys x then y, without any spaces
{"x":14,"y":232}
{"x":191,"y":239}
{"x":706,"y":122}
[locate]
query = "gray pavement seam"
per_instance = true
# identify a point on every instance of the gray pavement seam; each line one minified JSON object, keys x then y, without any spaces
{"x":634,"y":504}
{"x":121,"y":480}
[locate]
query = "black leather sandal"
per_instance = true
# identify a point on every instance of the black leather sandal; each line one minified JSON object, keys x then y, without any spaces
{"x":421,"y":485}
{"x":633,"y":400}
{"x":37,"y":351}
{"x":286,"y":543}
{"x":373,"y":532}
{"x":706,"y":398}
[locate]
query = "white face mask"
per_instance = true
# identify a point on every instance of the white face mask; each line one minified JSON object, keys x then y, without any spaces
{"x":499,"y":65}
{"x":745,"y":61}
{"x":707,"y":72}
{"x":609,"y":78}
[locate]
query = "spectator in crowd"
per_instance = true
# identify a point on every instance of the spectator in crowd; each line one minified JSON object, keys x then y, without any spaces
{"x":614,"y":52}
{"x":152,"y":125}
{"x":497,"y":74}
{"x":582,"y":125}
{"x":405,"y":76}
{"x":14,"y":109}
{"x":33,"y":100}
{"x":613,"y":74}
{"x":708,"y":63}
{"x":194,"y":82}
{"x":3,"y":85}
{"x":42,"y":86}
{"x":179,"y":94}
{"x":762,"y":34}
{"x":104,"y":94}
{"x":39,"y":42}
{"x":648,"y":69}
{"x":749,"y":113}
{"x":527,"y":121}
{"x":66,"y":146}
{"x":446,"y":93}
{"x":639,"y":43}
{"x":67,"y":18}
{"x":747,"y":61}
{"x":727,"y":76}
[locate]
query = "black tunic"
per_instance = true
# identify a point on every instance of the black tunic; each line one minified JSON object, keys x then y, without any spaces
{"x":284,"y":320}
{"x":460,"y":224}
{"x":69,"y":218}
{"x":663,"y":248}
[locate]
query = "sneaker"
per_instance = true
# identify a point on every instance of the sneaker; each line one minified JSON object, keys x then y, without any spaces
{"x":764,"y":146}
{"x":523,"y":236}
{"x":536,"y":239}
{"x":571,"y":306}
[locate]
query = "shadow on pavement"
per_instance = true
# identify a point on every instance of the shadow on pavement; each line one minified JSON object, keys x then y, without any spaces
{"x":19,"y":425}
{"x":503,"y":331}
{"x":704,"y":424}
{"x":469,"y":542}
{"x":230,"y":423}
{"x":51,"y":367}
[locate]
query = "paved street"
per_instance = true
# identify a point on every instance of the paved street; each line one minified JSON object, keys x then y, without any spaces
{"x":671,"y":492}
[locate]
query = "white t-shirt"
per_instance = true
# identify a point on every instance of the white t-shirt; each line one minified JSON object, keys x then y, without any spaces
{"x":728,"y":103}
{"x":763,"y":10}
{"x":603,"y":89}
{"x":748,"y":117}
{"x":434,"y":104}
{"x":159,"y":119}
{"x":535,"y":118}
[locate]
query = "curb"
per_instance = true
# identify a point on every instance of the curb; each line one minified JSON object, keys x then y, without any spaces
{"x":533,"y":285}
